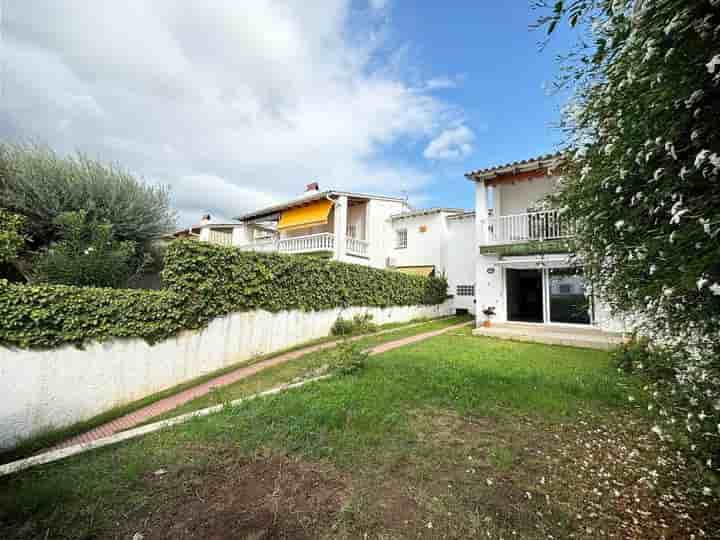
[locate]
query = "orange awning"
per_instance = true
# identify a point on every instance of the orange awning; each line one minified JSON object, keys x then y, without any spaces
{"x":425,"y":271}
{"x":314,"y":213}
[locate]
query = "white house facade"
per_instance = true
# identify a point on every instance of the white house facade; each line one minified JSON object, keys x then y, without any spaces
{"x":525,"y":270}
{"x":510,"y":254}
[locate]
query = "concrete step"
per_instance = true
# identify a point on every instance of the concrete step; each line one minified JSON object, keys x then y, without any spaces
{"x":588,"y":338}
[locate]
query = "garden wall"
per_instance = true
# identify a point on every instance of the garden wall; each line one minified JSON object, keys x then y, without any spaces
{"x":50,"y":389}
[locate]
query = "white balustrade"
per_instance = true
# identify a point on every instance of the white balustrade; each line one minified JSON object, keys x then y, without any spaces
{"x":304,"y":244}
{"x":355,"y":246}
{"x":544,"y":225}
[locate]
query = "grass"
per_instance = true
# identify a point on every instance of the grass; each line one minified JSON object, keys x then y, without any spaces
{"x":453,"y":437}
{"x":51,"y":437}
{"x":276,"y":375}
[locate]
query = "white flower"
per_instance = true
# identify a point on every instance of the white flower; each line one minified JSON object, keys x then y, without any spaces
{"x":429,"y":525}
{"x":701,"y":158}
{"x":694,"y":98}
{"x":707,"y":491}
{"x":715,"y":289}
{"x":702,"y":282}
{"x":619,"y":224}
{"x":713,"y":64}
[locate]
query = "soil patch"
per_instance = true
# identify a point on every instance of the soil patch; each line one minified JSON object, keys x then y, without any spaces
{"x":263,"y":499}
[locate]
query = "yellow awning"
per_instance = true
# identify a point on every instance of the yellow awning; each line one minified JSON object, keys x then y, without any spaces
{"x":417,"y":270}
{"x":315,"y":213}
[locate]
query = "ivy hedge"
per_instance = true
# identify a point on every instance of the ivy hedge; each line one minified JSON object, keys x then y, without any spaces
{"x":201,"y":281}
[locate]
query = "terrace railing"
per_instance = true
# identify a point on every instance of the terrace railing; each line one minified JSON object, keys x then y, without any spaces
{"x":543,"y":225}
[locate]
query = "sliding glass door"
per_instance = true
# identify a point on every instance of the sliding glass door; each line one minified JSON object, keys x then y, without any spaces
{"x":568,"y":301}
{"x":554,"y":295}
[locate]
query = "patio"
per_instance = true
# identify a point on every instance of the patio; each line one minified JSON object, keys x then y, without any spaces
{"x":571,"y":336}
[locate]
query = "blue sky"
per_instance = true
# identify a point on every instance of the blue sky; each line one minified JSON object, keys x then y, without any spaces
{"x":238,"y":105}
{"x":503,"y":79}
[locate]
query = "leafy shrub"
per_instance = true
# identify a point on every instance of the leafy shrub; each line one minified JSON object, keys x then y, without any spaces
{"x":204,"y":281}
{"x":360,"y":324}
{"x":86,"y":255}
{"x":348,"y":358}
{"x":221,"y":279}
{"x":342,"y":327}
{"x":11,"y":237}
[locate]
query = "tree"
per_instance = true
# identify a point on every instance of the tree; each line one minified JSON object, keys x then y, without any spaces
{"x":642,"y":179}
{"x":87,"y":254}
{"x":40,"y":185}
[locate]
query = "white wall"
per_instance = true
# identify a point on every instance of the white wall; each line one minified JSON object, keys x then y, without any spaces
{"x":461,"y":249}
{"x":423,"y":248}
{"x":517,"y":197}
{"x":380,"y":231}
{"x":43,"y":390}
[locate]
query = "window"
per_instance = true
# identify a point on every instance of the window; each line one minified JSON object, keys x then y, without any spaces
{"x":401,"y":239}
{"x":351,"y":230}
{"x":465,"y":290}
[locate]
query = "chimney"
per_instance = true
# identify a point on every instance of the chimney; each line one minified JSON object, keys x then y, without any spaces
{"x":205,"y":219}
{"x":313,"y":186}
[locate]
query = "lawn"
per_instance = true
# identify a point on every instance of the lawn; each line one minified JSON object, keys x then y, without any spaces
{"x":454,"y":437}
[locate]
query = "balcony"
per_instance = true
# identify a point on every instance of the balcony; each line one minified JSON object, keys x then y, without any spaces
{"x":311,"y":243}
{"x":549,"y":227}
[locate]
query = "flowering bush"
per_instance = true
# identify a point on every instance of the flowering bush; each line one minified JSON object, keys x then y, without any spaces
{"x":642,"y":182}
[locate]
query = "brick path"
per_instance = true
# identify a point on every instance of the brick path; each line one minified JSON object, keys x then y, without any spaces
{"x":169,"y":403}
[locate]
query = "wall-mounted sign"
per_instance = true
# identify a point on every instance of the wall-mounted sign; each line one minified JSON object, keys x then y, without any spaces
{"x":491,"y":270}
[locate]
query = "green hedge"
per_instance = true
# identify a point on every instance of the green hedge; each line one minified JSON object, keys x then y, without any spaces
{"x":202,"y":282}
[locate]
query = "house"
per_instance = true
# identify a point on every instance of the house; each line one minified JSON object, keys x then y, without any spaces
{"x":525,"y":266}
{"x":372,"y":230}
{"x":348,"y":227}
{"x":438,"y":241}
{"x":207,"y":230}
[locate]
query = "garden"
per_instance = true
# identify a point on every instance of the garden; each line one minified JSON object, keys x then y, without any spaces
{"x":453,"y":437}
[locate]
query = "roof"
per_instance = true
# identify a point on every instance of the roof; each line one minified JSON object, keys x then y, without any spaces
{"x":425,"y":212}
{"x":463,"y":215}
{"x":546,"y":161}
{"x":302,"y":200}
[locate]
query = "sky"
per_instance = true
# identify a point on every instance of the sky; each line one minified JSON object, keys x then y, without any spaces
{"x":237,"y":105}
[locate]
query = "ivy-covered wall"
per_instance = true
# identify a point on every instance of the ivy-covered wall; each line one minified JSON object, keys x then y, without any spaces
{"x":203,"y":281}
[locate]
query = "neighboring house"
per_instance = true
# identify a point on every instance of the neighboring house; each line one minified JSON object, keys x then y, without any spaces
{"x":207,"y":230}
{"x":348,"y":227}
{"x":438,"y":241}
{"x":372,"y":230}
{"x":524,"y":267}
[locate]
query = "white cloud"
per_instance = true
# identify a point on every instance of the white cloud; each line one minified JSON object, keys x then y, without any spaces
{"x":233,"y":104}
{"x":454,"y":143}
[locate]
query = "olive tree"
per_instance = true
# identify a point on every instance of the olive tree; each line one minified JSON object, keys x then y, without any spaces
{"x":40,"y":185}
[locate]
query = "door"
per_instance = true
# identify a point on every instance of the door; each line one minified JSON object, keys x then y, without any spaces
{"x":524,"y":295}
{"x":568,"y":300}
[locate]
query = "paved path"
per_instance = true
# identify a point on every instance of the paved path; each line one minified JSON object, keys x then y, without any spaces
{"x":169,"y":403}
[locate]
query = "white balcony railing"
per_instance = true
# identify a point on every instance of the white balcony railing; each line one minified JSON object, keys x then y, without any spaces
{"x":260,"y":245}
{"x":306,"y":244}
{"x":309,"y":244}
{"x":223,"y":238}
{"x":544,"y":225}
{"x":355,"y":246}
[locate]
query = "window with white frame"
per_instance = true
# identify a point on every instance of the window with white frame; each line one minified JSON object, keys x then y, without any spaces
{"x":401,"y":239}
{"x":465,"y":290}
